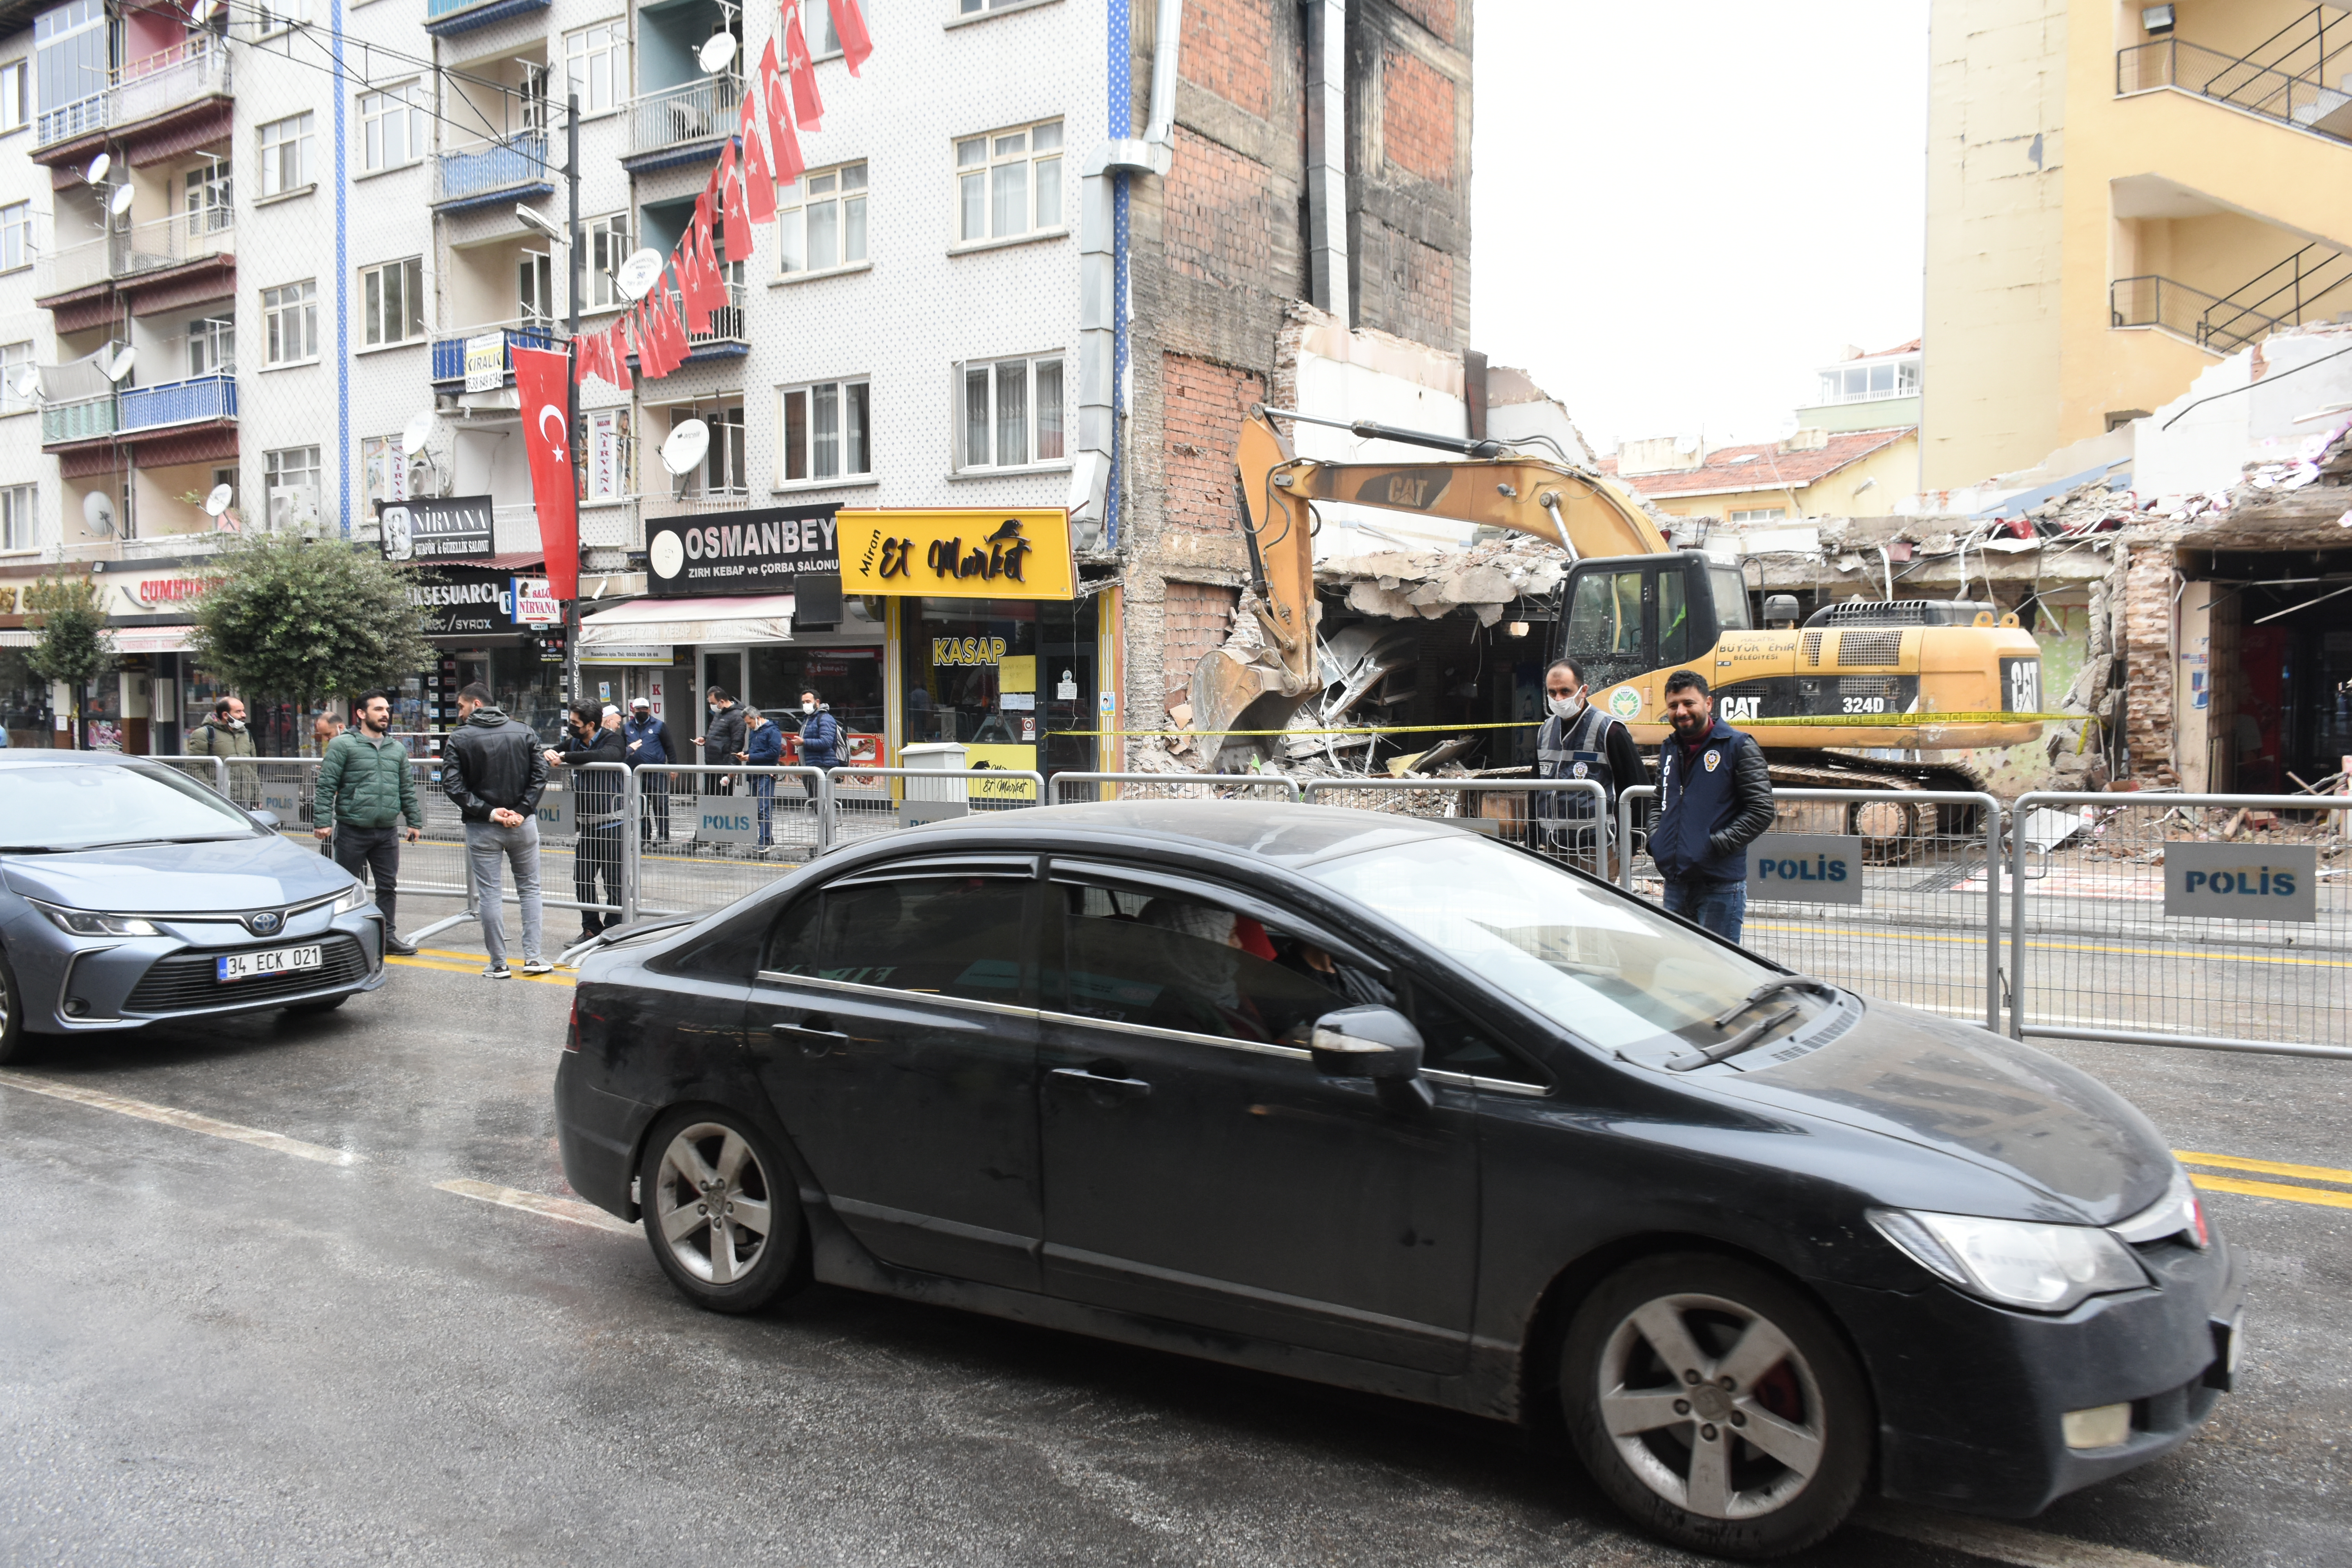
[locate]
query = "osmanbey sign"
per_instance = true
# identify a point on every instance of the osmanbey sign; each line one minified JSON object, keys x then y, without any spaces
{"x":747,"y":552}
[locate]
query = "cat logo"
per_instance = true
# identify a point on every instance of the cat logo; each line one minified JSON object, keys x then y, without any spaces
{"x":1414,"y":489}
{"x":1736,"y":708}
{"x":1408,"y":492}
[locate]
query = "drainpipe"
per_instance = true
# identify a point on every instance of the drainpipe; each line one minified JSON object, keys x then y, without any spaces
{"x":1327,"y":156}
{"x":1103,"y":282}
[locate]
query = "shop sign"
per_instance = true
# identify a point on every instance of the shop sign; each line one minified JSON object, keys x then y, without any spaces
{"x":759,"y":551}
{"x":456,"y":528}
{"x":535,"y":604}
{"x":654,"y":657}
{"x":462,"y":607}
{"x":960,"y":553}
{"x":166,"y":592}
{"x":486,"y":361}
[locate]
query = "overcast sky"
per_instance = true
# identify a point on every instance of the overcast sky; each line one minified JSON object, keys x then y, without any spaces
{"x":1681,"y":210}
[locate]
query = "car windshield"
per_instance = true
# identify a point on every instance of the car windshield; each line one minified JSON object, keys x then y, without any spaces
{"x":1592,"y":961}
{"x":82,"y":806}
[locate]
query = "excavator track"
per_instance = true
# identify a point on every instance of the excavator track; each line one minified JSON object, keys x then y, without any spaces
{"x":1894,"y":831}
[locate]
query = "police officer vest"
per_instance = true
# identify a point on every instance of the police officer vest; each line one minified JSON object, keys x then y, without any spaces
{"x":1575,"y":750}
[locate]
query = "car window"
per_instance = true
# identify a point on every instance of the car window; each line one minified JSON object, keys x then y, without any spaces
{"x":1452,"y":1043}
{"x":73,"y":806}
{"x":945,"y":936}
{"x":1174,"y":963}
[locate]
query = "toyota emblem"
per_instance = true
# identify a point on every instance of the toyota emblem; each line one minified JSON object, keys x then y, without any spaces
{"x":266,"y":923}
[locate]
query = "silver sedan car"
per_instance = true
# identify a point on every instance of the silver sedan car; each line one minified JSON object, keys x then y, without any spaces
{"x":131,"y":894}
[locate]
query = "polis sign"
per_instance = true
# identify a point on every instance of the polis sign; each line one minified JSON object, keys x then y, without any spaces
{"x":1805,"y":868}
{"x":2243,"y":881}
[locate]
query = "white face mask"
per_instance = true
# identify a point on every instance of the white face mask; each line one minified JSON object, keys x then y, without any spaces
{"x":1567,"y":706}
{"x":808,"y":707}
{"x":237,"y":724}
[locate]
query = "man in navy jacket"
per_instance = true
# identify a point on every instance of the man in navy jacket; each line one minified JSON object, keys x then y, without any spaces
{"x":1715,"y":798}
{"x":646,"y":739}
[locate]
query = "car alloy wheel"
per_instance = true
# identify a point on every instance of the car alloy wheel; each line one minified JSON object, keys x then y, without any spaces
{"x":1711,"y":1405}
{"x":14,"y":1041}
{"x":720,"y":1211}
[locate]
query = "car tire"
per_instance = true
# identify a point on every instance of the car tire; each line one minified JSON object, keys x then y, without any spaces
{"x":699,"y":1158}
{"x":326,"y":1004}
{"x":15,"y":1044}
{"x":1642,"y":1388}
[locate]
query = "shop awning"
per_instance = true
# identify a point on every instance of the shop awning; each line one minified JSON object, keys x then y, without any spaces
{"x":755,"y":618}
{"x":127,"y":639}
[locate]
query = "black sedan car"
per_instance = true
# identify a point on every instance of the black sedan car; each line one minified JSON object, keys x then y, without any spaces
{"x":1381,"y":1103}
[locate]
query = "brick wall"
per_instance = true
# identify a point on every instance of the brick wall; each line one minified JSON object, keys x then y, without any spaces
{"x":1437,"y":16}
{"x":1203,"y":405}
{"x":1417,"y":117}
{"x":1405,"y":286}
{"x":1195,"y":618}
{"x":1229,"y":49}
{"x":2147,"y":692}
{"x":1218,"y":213}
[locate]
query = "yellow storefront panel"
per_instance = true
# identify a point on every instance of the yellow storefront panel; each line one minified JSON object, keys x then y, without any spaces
{"x":967,"y":553}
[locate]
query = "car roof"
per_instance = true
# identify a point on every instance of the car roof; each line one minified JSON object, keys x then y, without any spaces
{"x":1279,"y":832}
{"x":26,"y":758}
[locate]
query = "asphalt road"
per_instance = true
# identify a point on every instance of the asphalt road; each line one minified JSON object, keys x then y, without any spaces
{"x":313,"y":1292}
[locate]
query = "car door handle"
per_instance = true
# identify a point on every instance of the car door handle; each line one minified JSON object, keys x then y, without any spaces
{"x":1104,"y":1088}
{"x":812,"y":1042}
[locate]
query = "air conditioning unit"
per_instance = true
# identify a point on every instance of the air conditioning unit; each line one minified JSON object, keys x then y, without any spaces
{"x":293,"y":508}
{"x":424,"y":478}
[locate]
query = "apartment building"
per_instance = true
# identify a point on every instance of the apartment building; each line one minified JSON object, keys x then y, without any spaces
{"x":1045,"y":255}
{"x":2119,"y":195}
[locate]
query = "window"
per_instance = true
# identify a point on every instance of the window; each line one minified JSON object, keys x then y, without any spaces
{"x":391,"y":301}
{"x":17,"y":530}
{"x":997,"y":176}
{"x":70,"y":57}
{"x":821,"y":220}
{"x":291,"y":318}
{"x":384,"y":467}
{"x":212,"y":346}
{"x":531,"y":91}
{"x":286,"y":154}
{"x":392,"y":127}
{"x":942,"y":936}
{"x":15,"y":235}
{"x":1604,"y":619}
{"x":535,"y":288}
{"x":1011,"y":413}
{"x":1761,"y":514}
{"x":970,"y":8}
{"x":721,"y":473}
{"x":290,"y":481}
{"x":1673,"y":618}
{"x":15,"y":83}
{"x":823,"y":39}
{"x":209,"y":198}
{"x":822,"y":432}
{"x":277,"y":15}
{"x":608,"y":247}
{"x":596,"y":63}
{"x":1730,"y":598}
{"x":14,"y":360}
{"x":610,"y":454}
{"x":1868,"y":383}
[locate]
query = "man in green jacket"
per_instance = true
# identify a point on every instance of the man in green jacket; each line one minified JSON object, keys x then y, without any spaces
{"x":365,"y":788}
{"x":225,"y":735}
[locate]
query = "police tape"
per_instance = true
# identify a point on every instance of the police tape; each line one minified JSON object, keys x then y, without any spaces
{"x":1811,"y":721}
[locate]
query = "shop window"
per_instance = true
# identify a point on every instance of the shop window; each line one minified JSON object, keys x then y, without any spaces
{"x":822,"y":433}
{"x":1014,"y":681}
{"x":848,"y":680}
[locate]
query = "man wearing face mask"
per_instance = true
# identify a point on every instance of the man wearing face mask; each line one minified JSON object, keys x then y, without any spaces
{"x":1715,"y":798}
{"x":723,"y":741}
{"x":821,"y":739}
{"x":1578,"y":741}
{"x":225,"y":735}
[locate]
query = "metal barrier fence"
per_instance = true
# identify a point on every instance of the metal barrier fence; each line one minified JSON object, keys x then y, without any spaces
{"x":1074,"y":789}
{"x":2125,"y":925}
{"x":707,"y":835}
{"x":1501,"y":808}
{"x":210,"y":770}
{"x":1925,"y":929}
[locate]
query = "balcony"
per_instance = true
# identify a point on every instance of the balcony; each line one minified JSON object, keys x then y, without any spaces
{"x":727,"y":334}
{"x":443,"y":17}
{"x":84,"y":419}
{"x":679,"y":124}
{"x":2284,"y":79}
{"x":198,"y":400}
{"x":155,"y":87}
{"x":491,"y":173}
{"x":449,"y":354}
{"x":171,"y":262}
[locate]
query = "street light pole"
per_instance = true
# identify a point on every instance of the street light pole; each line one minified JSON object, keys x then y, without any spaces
{"x":572,"y":383}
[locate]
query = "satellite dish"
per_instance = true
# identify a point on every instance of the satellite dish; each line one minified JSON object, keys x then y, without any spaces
{"x":120,"y":202}
{"x":415,"y":432}
{"x":217,"y":502}
{"x":96,"y":174}
{"x":28,"y":385}
{"x":718,"y":53}
{"x":685,"y":446}
{"x":638,"y":273}
{"x":99,"y":512}
{"x":119,"y":365}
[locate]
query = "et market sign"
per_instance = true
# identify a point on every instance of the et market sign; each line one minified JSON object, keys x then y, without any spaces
{"x":957,"y":552}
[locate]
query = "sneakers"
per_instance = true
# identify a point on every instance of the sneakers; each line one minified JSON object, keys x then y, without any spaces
{"x":398,"y":946}
{"x":537,"y":966}
{"x":498,"y":970}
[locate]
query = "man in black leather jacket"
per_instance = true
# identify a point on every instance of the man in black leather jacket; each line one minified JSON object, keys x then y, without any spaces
{"x":492,"y":769}
{"x":723,"y":741}
{"x":596,"y":797}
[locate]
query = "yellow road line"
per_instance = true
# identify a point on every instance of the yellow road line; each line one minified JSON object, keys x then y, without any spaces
{"x":474,"y":967}
{"x":2267,"y":1167}
{"x":2319,"y":1196}
{"x":2001,"y":1543}
{"x":569,"y":1209}
{"x":186,"y":1121}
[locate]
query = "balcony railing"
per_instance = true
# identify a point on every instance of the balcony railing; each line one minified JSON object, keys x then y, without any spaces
{"x":83,"y":419}
{"x":449,"y":354}
{"x":2301,"y":98}
{"x":727,"y":324}
{"x":2208,"y":320}
{"x":152,"y":85}
{"x":188,"y":402}
{"x":443,"y":15}
{"x":489,"y":171}
{"x":146,"y":248}
{"x":693,"y":112}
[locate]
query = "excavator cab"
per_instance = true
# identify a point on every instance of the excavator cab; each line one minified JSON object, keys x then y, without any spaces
{"x":1627,"y":616}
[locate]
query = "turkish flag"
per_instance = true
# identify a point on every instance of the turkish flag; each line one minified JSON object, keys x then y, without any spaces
{"x":782,"y":137}
{"x":758,"y":179}
{"x":850,"y":28}
{"x":808,"y":109}
{"x":543,"y":390}
{"x":739,"y":236}
{"x":616,"y":363}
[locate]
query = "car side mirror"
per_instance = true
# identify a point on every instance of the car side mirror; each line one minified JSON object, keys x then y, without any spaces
{"x":265,"y":819}
{"x":1376,"y":1043}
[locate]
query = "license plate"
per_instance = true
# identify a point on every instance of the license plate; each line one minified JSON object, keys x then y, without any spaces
{"x":278,"y":961}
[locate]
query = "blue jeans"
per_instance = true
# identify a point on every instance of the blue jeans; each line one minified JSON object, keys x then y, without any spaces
{"x":1719,"y":907}
{"x":763,"y":785}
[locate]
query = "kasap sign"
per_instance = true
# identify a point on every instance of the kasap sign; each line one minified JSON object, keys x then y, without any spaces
{"x":1806,"y":868}
{"x":2243,"y":881}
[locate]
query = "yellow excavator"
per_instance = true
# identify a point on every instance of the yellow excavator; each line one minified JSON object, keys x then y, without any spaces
{"x":1631,"y":611}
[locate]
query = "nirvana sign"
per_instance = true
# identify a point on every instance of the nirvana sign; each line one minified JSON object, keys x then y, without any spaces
{"x":745,"y":552}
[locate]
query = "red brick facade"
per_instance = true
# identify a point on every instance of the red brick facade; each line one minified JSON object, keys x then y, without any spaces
{"x":1437,"y":16}
{"x":1195,"y":618}
{"x":1229,"y":49}
{"x":1201,"y":412}
{"x":1417,"y":117}
{"x":1219,"y":213}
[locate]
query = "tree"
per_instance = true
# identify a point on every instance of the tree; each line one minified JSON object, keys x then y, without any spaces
{"x":290,"y":618}
{"x":74,"y":646}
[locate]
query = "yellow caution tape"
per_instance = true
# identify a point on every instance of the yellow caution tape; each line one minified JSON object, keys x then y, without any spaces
{"x":1826,"y":720}
{"x":1371,"y":729}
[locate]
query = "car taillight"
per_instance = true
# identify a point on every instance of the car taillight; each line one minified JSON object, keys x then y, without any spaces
{"x":2197,"y":1219}
{"x":571,"y":1043}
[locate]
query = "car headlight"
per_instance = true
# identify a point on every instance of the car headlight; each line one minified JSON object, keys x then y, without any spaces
{"x":354,"y":898}
{"x":89,"y":923}
{"x":2016,"y":1263}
